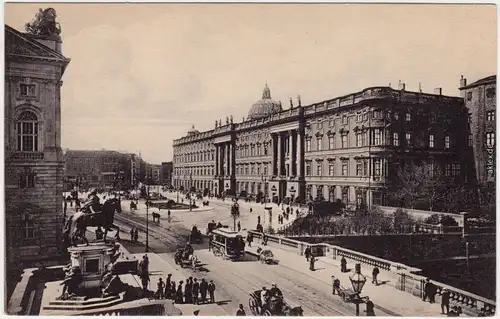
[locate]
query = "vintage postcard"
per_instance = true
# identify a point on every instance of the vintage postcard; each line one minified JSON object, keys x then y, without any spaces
{"x":250,"y":159}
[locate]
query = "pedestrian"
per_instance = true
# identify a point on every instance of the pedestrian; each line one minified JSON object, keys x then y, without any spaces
{"x":196,"y":312}
{"x":196,"y":291}
{"x":145,"y":281}
{"x":203,"y":290}
{"x":168,"y":215}
{"x":179,"y":297}
{"x":445,"y":301}
{"x":161,"y":288}
{"x":240,"y":311}
{"x":336,"y":286}
{"x":428,"y":290}
{"x":211,"y":291}
{"x":239,"y":226}
{"x":311,"y":263}
{"x":132,"y":235}
{"x":370,"y":308}
{"x":249,"y":239}
{"x":307,"y":253}
{"x":250,"y":209}
{"x":375,"y":273}
{"x":343,"y":264}
{"x":136,"y":235}
{"x":188,"y":291}
{"x":258,"y":220}
{"x":432,"y":293}
{"x":173,"y":291}
{"x":168,"y":286}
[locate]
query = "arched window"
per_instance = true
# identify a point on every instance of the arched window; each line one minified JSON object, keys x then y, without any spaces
{"x":27,"y":227}
{"x":27,"y":132}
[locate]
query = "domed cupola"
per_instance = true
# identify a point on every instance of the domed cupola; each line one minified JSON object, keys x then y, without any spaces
{"x":265,"y":106}
{"x":193,"y":131}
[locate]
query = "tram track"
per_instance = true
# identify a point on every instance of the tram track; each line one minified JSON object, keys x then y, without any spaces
{"x":244,"y":281}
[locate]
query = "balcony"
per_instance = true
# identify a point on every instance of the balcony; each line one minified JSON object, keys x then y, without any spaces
{"x":26,"y":156}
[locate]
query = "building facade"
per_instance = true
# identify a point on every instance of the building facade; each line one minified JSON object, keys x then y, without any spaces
{"x":34,"y":67}
{"x":166,"y":173}
{"x":343,"y":148}
{"x":480,"y":101}
{"x":153,"y":173}
{"x":102,"y":168}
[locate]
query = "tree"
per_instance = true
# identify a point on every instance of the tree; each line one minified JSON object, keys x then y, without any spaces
{"x":409,"y":184}
{"x":436,"y":219}
{"x":402,"y":221}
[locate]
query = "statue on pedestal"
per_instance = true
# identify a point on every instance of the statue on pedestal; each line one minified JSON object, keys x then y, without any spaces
{"x":92,"y":214}
{"x":227,"y":120}
{"x":231,"y":119}
{"x":71,"y":282}
{"x":44,"y":24}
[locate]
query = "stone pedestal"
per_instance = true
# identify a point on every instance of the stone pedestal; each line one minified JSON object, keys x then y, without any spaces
{"x":92,"y":261}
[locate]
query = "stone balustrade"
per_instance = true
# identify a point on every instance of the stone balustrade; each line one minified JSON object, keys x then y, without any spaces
{"x":155,"y":309}
{"x":27,"y":156}
{"x":408,"y":281}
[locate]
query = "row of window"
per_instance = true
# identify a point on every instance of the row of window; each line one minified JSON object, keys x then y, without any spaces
{"x":361,"y":168}
{"x":195,"y":157}
{"x":490,"y":93}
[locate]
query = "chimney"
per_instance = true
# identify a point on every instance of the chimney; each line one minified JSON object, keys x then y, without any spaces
{"x":463,"y":83}
{"x":438,"y":91}
{"x":401,"y":86}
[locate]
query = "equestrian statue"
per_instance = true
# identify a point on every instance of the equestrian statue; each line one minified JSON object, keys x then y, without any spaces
{"x":92,"y":214}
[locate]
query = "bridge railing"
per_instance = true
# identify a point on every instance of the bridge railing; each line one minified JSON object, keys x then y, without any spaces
{"x":408,"y":280}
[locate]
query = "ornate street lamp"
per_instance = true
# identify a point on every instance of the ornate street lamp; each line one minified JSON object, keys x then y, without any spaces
{"x":357,"y":281}
{"x":235,"y":212}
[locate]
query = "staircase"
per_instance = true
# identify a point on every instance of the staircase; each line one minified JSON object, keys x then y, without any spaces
{"x":83,"y":303}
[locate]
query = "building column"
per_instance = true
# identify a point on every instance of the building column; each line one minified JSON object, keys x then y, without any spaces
{"x":221,"y":160}
{"x":299,"y":160}
{"x":228,"y":159}
{"x":216,"y":160}
{"x":292,"y":153}
{"x":280,"y":156}
{"x":274,"y":162}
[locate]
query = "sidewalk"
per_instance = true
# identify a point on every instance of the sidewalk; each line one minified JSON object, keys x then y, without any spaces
{"x":385,"y":297}
{"x":160,"y":268}
{"x":249,"y":220}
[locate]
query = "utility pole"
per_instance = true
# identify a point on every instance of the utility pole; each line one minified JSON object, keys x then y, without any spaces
{"x":147,"y":218}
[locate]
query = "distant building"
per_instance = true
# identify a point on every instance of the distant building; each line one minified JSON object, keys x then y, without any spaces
{"x":347,"y":148}
{"x":480,"y":101}
{"x":34,"y":66}
{"x":166,"y":173}
{"x":102,"y":168}
{"x":153,"y":173}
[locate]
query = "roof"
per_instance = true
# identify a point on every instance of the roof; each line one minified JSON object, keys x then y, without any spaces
{"x":22,"y":45}
{"x":487,"y":80}
{"x":226,"y":232}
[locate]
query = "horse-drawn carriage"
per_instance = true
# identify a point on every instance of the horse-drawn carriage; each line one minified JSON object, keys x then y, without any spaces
{"x":283,"y":309}
{"x":186,"y":260}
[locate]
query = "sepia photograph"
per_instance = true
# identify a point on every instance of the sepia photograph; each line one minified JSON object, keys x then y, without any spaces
{"x":250,"y":159}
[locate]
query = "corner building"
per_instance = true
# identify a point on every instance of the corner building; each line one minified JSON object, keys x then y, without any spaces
{"x":344,"y":148}
{"x":34,"y":66}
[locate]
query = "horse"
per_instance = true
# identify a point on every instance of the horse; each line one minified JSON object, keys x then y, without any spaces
{"x":293,"y":312}
{"x":156,"y":216}
{"x":78,"y":223}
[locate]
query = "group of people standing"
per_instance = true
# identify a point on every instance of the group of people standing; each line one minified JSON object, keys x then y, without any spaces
{"x":193,"y":292}
{"x":134,"y":235}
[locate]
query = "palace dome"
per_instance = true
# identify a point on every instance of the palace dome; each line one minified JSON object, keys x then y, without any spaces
{"x":264,"y":107}
{"x":193,"y":131}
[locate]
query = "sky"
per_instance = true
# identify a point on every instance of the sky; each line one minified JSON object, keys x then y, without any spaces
{"x":142,"y":74}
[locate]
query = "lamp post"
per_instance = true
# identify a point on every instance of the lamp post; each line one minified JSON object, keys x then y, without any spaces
{"x":357,"y":281}
{"x":235,"y":212}
{"x":147,"y":218}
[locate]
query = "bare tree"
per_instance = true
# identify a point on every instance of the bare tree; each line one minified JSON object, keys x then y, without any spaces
{"x":434,"y":187}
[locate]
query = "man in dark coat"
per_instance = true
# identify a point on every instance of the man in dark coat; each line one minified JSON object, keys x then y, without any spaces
{"x":307,"y":253}
{"x":343,"y":264}
{"x":370,"y":308}
{"x":196,"y":291}
{"x":375,"y":273}
{"x":168,"y":286}
{"x":445,"y":301}
{"x":240,"y":311}
{"x":179,"y":297}
{"x":211,"y":291}
{"x":188,"y":291}
{"x":203,"y":290}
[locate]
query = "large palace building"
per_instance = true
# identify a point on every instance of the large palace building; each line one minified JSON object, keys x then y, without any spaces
{"x":345,"y":148}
